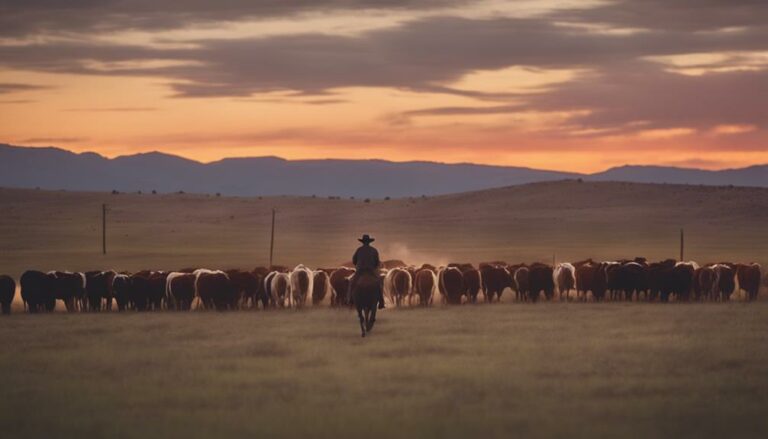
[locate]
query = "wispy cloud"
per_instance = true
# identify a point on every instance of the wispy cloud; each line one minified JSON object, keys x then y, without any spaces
{"x":52,"y":140}
{"x":111,"y":109}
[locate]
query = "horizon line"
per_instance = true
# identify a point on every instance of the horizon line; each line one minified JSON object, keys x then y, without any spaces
{"x":378,"y":159}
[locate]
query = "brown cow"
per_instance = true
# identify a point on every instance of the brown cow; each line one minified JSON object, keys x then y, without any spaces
{"x":749,"y":277}
{"x":495,"y":279}
{"x":725,"y":281}
{"x":541,"y":279}
{"x":473,"y":280}
{"x":261,"y":292}
{"x":7,"y":291}
{"x":451,"y":283}
{"x":627,"y":277}
{"x":69,"y":288}
{"x":246,"y":285}
{"x":139,"y":291}
{"x":590,"y":276}
{"x":157,"y":284}
{"x":682,"y":280}
{"x":98,"y":287}
{"x":522,"y":283}
{"x":473,"y":283}
{"x":321,"y":284}
{"x":37,"y":291}
{"x":425,"y":283}
{"x":398,"y":285}
{"x":121,"y":289}
{"x":340,"y":286}
{"x":704,"y":283}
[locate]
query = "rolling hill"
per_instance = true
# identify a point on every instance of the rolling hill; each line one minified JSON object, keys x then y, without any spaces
{"x":55,"y":168}
{"x":564,"y":220}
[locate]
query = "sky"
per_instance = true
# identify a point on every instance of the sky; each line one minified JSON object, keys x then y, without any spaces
{"x":566,"y":85}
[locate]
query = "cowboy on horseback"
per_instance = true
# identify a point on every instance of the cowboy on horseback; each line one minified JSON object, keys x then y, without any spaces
{"x":366,"y":260}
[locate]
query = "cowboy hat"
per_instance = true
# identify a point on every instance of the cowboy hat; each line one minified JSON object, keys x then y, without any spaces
{"x":366,"y":239}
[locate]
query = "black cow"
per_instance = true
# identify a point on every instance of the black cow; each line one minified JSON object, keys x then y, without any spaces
{"x":37,"y":291}
{"x":7,"y":292}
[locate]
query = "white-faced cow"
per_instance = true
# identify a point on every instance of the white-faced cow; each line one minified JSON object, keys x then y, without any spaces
{"x":214,"y":289}
{"x":302,"y":280}
{"x":565,"y":279}
{"x":180,"y":290}
{"x":280,"y":288}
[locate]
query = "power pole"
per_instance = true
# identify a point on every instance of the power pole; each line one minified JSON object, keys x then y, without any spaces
{"x":104,"y":229}
{"x":682,"y":245}
{"x":272,"y":239}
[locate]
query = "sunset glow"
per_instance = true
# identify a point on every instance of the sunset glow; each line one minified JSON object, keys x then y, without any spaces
{"x":577,"y":86}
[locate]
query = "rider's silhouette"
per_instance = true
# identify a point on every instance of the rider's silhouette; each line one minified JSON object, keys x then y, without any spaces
{"x":366,"y":260}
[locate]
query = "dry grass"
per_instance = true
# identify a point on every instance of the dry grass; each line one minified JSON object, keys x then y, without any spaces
{"x":62,"y":230}
{"x":546,"y":370}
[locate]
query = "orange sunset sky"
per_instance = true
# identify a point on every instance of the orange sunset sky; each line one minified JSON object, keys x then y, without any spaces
{"x":567,"y":85}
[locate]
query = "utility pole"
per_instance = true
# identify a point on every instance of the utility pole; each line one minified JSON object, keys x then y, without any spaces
{"x":104,"y":229}
{"x":682,"y":245}
{"x":272,"y":239}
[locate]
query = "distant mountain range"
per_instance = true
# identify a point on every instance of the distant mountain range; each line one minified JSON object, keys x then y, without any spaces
{"x":55,"y":168}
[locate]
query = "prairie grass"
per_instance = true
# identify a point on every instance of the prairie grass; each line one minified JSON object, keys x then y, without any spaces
{"x":544,"y":370}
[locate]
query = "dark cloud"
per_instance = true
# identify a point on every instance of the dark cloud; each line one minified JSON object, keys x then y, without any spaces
{"x":27,"y":17}
{"x":630,"y":93}
{"x":466,"y":111}
{"x":636,"y":96}
{"x":622,"y":90}
{"x":423,"y":55}
{"x":684,"y":15}
{"x":9,"y":87}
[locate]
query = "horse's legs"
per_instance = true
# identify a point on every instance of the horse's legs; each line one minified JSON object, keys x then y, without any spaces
{"x":361,"y":319}
{"x":370,"y":317}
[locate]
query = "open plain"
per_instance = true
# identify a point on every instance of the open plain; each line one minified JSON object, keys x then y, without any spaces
{"x":524,"y":370}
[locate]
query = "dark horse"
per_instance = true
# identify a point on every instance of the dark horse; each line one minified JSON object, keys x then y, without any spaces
{"x":366,"y":299}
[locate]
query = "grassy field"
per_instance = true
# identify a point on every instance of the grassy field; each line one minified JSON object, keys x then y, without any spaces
{"x":567,"y":220}
{"x":545,"y":370}
{"x":509,"y":370}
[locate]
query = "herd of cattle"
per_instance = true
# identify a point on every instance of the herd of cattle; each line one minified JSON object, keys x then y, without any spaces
{"x":281,"y":287}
